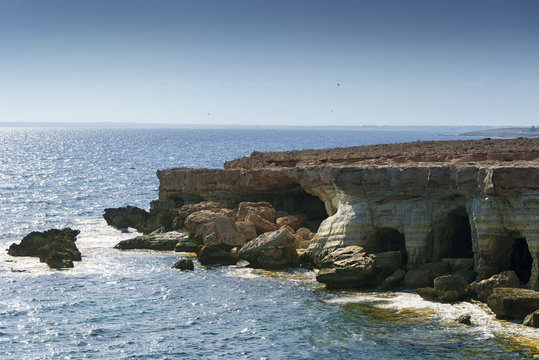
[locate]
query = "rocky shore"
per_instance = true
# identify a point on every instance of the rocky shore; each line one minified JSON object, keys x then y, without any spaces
{"x":455,"y":220}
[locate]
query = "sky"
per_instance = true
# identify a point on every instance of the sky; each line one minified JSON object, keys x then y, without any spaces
{"x":271,"y":62}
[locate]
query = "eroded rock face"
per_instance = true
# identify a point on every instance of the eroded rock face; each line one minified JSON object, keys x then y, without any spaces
{"x":433,"y":200}
{"x":481,"y":290}
{"x":54,"y":247}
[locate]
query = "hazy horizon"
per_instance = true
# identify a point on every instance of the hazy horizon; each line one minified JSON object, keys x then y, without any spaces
{"x":270,"y":63}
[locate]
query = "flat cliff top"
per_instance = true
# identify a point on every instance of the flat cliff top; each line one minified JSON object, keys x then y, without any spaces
{"x":506,"y":151}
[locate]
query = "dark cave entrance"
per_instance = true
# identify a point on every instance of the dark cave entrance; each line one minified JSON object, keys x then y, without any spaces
{"x":521,"y":260}
{"x":455,"y":235}
{"x":389,"y":239}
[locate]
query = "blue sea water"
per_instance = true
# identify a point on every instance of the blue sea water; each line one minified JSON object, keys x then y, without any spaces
{"x":132,"y":305}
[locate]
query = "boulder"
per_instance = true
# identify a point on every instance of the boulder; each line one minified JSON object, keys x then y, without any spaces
{"x":215,"y":255}
{"x":184,"y":264}
{"x":125,"y":217}
{"x":465,"y":319}
{"x":186,"y":210}
{"x":272,"y":250}
{"x":187,"y":244}
{"x":352,"y":267}
{"x":481,"y":290}
{"x":247,"y":230}
{"x":532,"y":319}
{"x":305,"y":233}
{"x":447,"y":289}
{"x":393,"y":280}
{"x":261,"y":225}
{"x":513,"y":303}
{"x":424,"y":275}
{"x":223,"y":231}
{"x":294,"y":221}
{"x":54,"y":247}
{"x":199,"y":223}
{"x":165,"y":241}
{"x":262,"y":209}
{"x":463,"y":267}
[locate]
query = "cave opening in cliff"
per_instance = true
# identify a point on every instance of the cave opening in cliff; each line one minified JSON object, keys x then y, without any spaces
{"x":521,"y":260}
{"x":455,"y":235}
{"x":389,"y":239}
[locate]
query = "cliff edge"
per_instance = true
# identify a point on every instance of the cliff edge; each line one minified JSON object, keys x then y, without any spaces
{"x":476,"y":199}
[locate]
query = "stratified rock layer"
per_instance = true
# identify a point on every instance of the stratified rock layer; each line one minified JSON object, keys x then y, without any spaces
{"x":476,"y":199}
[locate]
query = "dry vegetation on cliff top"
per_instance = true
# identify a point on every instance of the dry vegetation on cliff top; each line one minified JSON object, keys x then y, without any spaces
{"x":458,"y":151}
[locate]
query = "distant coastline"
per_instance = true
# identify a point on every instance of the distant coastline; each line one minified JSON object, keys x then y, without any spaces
{"x":506,"y":132}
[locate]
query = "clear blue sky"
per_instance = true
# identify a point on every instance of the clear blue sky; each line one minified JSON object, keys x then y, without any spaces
{"x":272,"y":62}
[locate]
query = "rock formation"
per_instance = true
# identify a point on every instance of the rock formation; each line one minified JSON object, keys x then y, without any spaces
{"x":476,"y":199}
{"x":55,"y":247}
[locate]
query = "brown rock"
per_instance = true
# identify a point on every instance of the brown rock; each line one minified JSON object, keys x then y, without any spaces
{"x":305,"y":233}
{"x":532,"y":319}
{"x":481,"y":290}
{"x":223,"y":231}
{"x":424,"y":275}
{"x":513,"y":303}
{"x":203,"y":217}
{"x":247,"y":229}
{"x":271,"y":250}
{"x":261,"y":225}
{"x":294,"y":221}
{"x":262,"y":209}
{"x":184,"y":264}
{"x":447,"y":289}
{"x":215,"y":255}
{"x":393,"y":280}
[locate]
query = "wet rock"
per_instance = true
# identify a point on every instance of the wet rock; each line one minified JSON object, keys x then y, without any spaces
{"x":125,"y":217}
{"x":184,"y":264}
{"x":294,"y":221}
{"x":352,"y":267}
{"x":513,"y":303}
{"x":532,"y":319}
{"x":424,"y":275}
{"x":481,"y":290}
{"x":187,"y":244}
{"x":465,"y":319}
{"x":215,"y":255}
{"x":165,"y":241}
{"x":54,"y":247}
{"x":447,"y":289}
{"x":272,"y":250}
{"x":394,"y":280}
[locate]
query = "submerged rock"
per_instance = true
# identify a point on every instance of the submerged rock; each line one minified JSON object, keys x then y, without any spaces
{"x":184,"y":264}
{"x":272,"y":250}
{"x":465,"y":319}
{"x":165,"y":241}
{"x":513,"y":303}
{"x":54,"y":247}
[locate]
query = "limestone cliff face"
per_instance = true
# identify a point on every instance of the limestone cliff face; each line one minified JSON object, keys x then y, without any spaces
{"x":488,"y":210}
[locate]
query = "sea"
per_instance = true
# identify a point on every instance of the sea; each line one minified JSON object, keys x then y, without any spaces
{"x":131,"y":305}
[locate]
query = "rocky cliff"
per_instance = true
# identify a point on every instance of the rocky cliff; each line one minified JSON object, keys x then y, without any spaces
{"x":474,"y":199}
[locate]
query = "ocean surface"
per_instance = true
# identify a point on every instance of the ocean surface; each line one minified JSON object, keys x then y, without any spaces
{"x":132,"y":305}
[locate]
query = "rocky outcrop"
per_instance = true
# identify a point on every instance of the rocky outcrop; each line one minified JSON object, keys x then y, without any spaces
{"x":166,"y":241}
{"x":532,"y":319}
{"x":481,"y":290}
{"x":513,"y":303}
{"x":54,"y":247}
{"x":272,"y":250}
{"x":128,"y":217}
{"x":428,"y":200}
{"x":352,"y":267}
{"x":447,"y":289}
{"x":215,"y":255}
